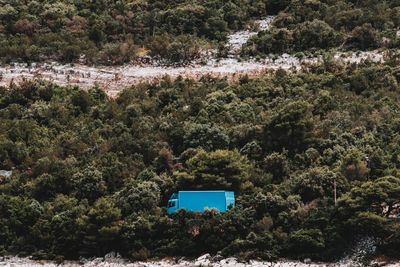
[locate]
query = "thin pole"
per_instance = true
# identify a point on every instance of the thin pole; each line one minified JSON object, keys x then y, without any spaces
{"x":334,"y":191}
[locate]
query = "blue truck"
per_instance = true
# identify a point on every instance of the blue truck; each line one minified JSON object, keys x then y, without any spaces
{"x":199,"y":201}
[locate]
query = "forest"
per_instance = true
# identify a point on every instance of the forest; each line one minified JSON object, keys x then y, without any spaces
{"x":313,"y":25}
{"x":312,"y":155}
{"x":117,"y":32}
{"x":92,"y":174}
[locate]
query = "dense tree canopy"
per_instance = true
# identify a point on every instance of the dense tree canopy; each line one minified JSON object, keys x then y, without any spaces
{"x":324,"y":24}
{"x":114,"y":32}
{"x":93,"y":174}
{"x":117,"y":32}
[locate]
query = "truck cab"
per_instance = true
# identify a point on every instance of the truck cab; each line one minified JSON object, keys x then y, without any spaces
{"x":198,"y":201}
{"x":173,"y":203}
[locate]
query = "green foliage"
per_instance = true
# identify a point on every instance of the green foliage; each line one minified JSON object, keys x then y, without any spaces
{"x":278,"y":165}
{"x":317,"y":183}
{"x":206,"y":136}
{"x":219,"y":169}
{"x":380,"y":196}
{"x":89,"y":184}
{"x":290,"y":127}
{"x":115,"y":32}
{"x":306,"y":242}
{"x":314,"y":25}
{"x":364,"y":37}
{"x":261,"y":246}
{"x":354,"y":165}
{"x":181,"y":49}
{"x":93,"y":174}
{"x":314,"y":34}
{"x":139,"y":197}
{"x":177,"y":31}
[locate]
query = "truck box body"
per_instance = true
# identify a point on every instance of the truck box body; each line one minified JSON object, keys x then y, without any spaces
{"x":199,"y":201}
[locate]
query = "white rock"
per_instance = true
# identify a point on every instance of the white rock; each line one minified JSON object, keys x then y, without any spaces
{"x":229,"y":262}
{"x":113,"y":257}
{"x":205,"y":256}
{"x":202,"y":263}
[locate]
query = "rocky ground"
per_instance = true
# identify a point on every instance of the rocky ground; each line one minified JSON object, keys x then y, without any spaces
{"x":113,"y":260}
{"x":114,"y":79}
{"x":238,"y":39}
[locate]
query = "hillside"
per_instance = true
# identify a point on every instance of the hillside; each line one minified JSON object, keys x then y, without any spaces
{"x":92,"y":174}
{"x":116,"y":32}
{"x":109,"y":107}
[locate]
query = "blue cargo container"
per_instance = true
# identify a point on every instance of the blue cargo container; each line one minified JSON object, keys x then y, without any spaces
{"x":201,"y":200}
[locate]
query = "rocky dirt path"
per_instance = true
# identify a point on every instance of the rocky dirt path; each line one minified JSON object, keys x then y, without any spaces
{"x":202,"y":261}
{"x":114,"y":79}
{"x":238,"y":39}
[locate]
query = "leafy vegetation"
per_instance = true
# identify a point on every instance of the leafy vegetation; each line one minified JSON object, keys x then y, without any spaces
{"x":114,"y":32}
{"x":117,"y":32}
{"x":93,"y":174}
{"x":324,"y":24}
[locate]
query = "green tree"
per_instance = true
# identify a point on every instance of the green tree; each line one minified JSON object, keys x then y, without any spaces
{"x":306,"y":242}
{"x":89,"y":184}
{"x":380,"y":196}
{"x":138,"y":197}
{"x":278,"y":165}
{"x":220,"y":169}
{"x":364,"y":37}
{"x":316,"y":183}
{"x":315,"y":34}
{"x":66,"y":226}
{"x":205,"y":136}
{"x":102,"y":227}
{"x":354,"y":165}
{"x":289,"y":127}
